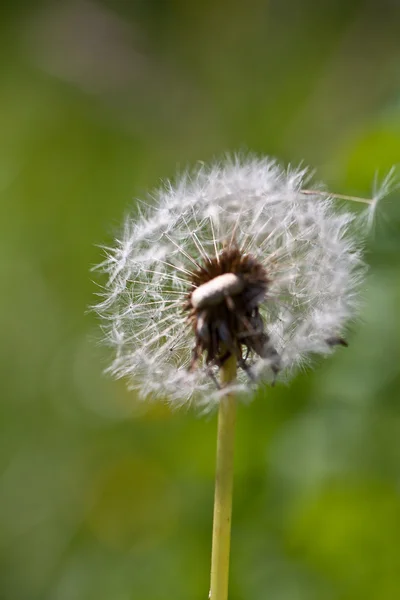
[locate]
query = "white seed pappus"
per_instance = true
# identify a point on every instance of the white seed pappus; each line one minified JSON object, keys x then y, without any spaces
{"x":302,"y":240}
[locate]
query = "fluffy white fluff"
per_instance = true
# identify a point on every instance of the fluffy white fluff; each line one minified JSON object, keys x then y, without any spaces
{"x":303,"y":241}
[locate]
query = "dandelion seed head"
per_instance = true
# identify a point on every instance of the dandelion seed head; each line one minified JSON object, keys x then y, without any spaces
{"x":296,"y":294}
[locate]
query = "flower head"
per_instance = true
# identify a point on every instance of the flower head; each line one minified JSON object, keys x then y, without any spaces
{"x":234,"y":259}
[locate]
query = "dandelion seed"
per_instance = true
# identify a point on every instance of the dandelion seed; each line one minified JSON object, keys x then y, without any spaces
{"x":380,"y":190}
{"x":240,"y":260}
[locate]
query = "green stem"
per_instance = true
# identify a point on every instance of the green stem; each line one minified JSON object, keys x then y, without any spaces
{"x":223,"y":488}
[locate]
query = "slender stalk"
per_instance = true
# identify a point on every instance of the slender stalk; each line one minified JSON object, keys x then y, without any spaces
{"x":339,"y":196}
{"x":223,"y":488}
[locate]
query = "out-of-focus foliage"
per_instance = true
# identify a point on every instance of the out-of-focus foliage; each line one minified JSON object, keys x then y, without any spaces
{"x":100,"y":498}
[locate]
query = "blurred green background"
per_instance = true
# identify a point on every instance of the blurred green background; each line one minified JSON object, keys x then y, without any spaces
{"x":101,"y":497}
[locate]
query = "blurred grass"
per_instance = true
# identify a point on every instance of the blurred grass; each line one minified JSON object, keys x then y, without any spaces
{"x":100,"y":498}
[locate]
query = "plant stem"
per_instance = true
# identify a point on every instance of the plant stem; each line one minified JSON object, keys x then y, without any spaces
{"x":223,"y":488}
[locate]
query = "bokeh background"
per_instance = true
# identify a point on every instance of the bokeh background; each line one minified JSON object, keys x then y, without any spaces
{"x":101,"y":497}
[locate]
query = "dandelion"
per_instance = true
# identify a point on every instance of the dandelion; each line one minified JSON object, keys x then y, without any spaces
{"x":235,"y":275}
